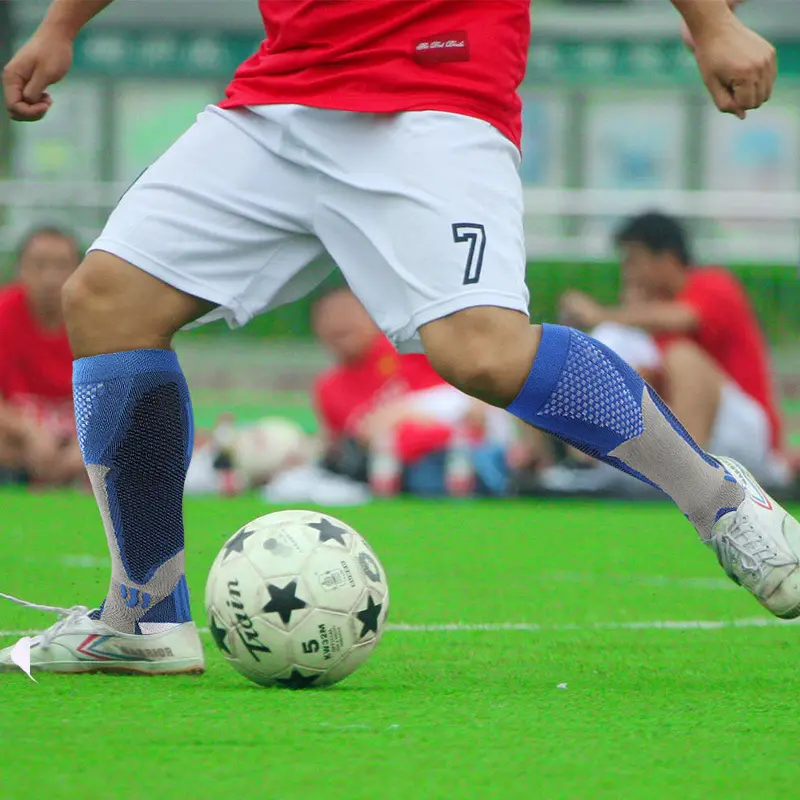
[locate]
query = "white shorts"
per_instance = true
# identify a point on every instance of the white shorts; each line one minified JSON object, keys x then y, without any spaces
{"x":742,"y":431}
{"x":421,"y":211}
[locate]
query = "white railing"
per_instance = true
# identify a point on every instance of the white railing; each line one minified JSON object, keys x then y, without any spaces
{"x":761,"y":226}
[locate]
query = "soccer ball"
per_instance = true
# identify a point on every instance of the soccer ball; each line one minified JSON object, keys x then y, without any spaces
{"x":268,"y":447}
{"x":296,"y":599}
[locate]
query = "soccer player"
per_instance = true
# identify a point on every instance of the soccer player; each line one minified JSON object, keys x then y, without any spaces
{"x":714,"y":368}
{"x":38,"y":442}
{"x":373,"y":396}
{"x":386,"y":132}
{"x":369,"y":377}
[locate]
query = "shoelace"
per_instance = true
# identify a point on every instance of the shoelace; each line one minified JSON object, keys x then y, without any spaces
{"x":750,"y":547}
{"x":66,"y":617}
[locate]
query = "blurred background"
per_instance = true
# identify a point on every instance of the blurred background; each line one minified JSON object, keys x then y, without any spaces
{"x":616,"y":122}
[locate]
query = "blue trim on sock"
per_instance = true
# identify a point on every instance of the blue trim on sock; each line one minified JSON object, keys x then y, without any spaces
{"x":545,"y":372}
{"x":722,"y":512}
{"x":583,"y":393}
{"x":173,"y":608}
{"x":550,"y":364}
{"x":181,"y":594}
{"x":121,"y":365}
{"x":189,"y":412}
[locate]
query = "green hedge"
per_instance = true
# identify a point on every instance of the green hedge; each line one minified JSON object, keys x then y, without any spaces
{"x":774,"y":291}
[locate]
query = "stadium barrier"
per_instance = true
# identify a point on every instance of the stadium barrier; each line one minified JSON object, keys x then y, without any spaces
{"x":569,"y":242}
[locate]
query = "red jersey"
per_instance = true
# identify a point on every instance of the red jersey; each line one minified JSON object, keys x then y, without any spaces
{"x":346,"y":393}
{"x":386,"y":56}
{"x":729,"y":332}
{"x":35,"y":363}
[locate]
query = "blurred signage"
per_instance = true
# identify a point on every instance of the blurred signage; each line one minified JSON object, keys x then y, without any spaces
{"x":566,"y":62}
{"x":651,"y":62}
{"x":162,"y":54}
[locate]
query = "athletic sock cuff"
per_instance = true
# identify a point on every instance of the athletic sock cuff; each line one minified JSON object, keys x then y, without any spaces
{"x":116,"y":365}
{"x":545,"y":373}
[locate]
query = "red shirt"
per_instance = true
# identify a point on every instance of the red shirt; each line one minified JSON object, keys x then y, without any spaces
{"x":387,"y":56}
{"x":729,"y":332}
{"x":346,"y":393}
{"x":35,"y":363}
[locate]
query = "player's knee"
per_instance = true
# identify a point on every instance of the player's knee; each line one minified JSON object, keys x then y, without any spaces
{"x":485,"y":352}
{"x":685,"y":359}
{"x":90,"y":301}
{"x":83,"y":291}
{"x":110,"y":306}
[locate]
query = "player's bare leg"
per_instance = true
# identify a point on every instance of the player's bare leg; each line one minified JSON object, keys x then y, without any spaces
{"x":693,"y":387}
{"x":111,"y":306}
{"x":491,"y":358}
{"x":134,"y":422}
{"x":572,"y":386}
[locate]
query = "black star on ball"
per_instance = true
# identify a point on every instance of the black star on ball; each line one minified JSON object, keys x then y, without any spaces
{"x":219,"y":635}
{"x":284,"y":601}
{"x":327,"y":531}
{"x":297,"y":680}
{"x":236,"y":544}
{"x":369,"y":617}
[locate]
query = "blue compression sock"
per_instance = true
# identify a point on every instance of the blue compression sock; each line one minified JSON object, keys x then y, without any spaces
{"x":582,"y":392}
{"x":135,"y":428}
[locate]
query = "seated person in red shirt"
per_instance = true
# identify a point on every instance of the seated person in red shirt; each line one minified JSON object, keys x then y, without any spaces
{"x":711,"y":360}
{"x":38,"y":441}
{"x":372,"y":392}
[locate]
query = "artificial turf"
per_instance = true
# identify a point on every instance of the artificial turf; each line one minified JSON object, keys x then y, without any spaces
{"x":648,"y":710}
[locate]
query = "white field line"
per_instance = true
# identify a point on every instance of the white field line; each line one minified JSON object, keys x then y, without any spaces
{"x":533,"y":627}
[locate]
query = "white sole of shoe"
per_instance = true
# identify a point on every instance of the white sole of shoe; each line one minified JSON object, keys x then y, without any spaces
{"x":178,"y":667}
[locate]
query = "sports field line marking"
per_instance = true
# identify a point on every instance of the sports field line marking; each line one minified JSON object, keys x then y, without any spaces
{"x":534,"y":627}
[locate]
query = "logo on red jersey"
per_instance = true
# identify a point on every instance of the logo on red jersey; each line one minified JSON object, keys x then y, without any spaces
{"x":445,"y":47}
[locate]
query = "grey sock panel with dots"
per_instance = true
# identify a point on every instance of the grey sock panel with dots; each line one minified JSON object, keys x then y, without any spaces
{"x":672,"y":463}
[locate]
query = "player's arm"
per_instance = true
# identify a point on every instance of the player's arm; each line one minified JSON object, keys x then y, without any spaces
{"x":686,"y":34}
{"x":655,"y":316}
{"x":46,"y":58}
{"x":703,"y":14}
{"x":68,"y":17}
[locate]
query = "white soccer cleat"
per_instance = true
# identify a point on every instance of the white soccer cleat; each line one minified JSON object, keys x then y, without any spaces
{"x":77,"y":643}
{"x":758,"y":546}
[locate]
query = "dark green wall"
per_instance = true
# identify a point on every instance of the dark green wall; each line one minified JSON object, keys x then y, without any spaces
{"x":775,"y":293}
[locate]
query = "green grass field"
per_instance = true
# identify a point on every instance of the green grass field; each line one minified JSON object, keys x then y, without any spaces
{"x":678,"y":685}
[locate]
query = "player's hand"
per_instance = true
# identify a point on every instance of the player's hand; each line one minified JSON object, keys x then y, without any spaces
{"x":580,"y":311}
{"x":738,"y":66}
{"x":42,"y":61}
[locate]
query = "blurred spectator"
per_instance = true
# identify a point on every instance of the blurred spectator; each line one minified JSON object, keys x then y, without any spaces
{"x":38,"y":441}
{"x":694,"y":334}
{"x":374,"y":398}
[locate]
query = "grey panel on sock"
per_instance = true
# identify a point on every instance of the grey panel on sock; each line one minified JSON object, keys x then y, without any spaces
{"x":115,"y":613}
{"x":662,"y":455}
